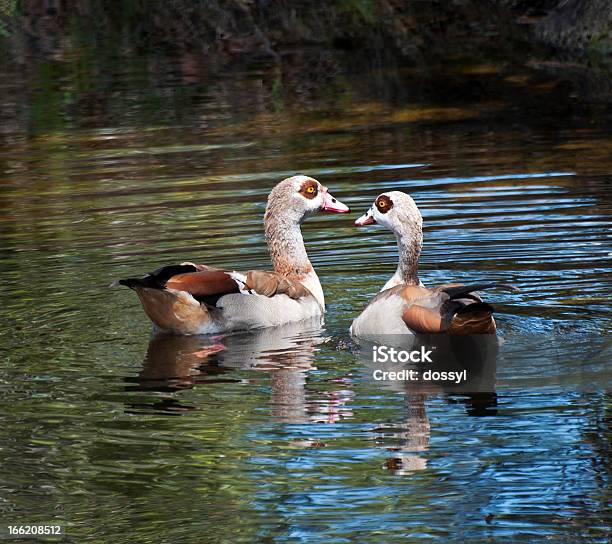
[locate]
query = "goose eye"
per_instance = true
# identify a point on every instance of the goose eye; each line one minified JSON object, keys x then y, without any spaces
{"x":309,"y":191}
{"x":384,"y":204}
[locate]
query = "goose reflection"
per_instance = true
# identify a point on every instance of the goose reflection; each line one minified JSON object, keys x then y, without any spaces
{"x":286,"y":353}
{"x":178,"y":362}
{"x":476,"y":355}
{"x":413,"y":434}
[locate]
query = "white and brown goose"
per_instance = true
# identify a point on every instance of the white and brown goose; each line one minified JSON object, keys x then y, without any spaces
{"x":199,"y":299}
{"x":404,"y":304}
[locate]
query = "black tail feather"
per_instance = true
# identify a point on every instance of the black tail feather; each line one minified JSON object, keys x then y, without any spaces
{"x":462,"y":290}
{"x":475,"y":307}
{"x":159,"y":278}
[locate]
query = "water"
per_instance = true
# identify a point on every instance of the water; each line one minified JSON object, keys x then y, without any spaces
{"x":284,"y":435}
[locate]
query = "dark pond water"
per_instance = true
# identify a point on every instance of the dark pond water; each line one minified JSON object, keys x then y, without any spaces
{"x":283,"y":435}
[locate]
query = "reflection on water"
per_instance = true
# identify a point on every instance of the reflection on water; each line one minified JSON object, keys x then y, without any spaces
{"x":285,"y":434}
{"x":413,"y":436}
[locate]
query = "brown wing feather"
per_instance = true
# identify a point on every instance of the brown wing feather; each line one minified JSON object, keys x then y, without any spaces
{"x":422,"y":314}
{"x":423,"y":320}
{"x":473,"y":318}
{"x":433,"y":311}
{"x":271,"y":283}
{"x":200,"y":284}
{"x":209,"y":281}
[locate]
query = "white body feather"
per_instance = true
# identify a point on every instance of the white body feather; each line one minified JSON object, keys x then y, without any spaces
{"x":381,"y":317}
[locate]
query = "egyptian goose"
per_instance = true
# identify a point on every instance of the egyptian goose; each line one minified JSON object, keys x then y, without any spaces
{"x":404,"y":304}
{"x":198,"y":299}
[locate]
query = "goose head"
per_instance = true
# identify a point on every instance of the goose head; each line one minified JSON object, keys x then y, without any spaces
{"x":289,"y":203}
{"x":299,"y":196}
{"x":399,"y":213}
{"x":394,"y":210}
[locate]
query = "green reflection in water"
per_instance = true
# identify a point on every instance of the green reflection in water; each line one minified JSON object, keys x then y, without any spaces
{"x":112,"y":172}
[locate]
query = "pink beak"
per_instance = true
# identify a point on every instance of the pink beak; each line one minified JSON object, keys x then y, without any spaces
{"x":331,"y":204}
{"x":365,"y":219}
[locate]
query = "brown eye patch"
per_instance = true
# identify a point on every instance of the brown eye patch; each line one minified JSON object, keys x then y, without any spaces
{"x":309,"y":189}
{"x":384,"y":203}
